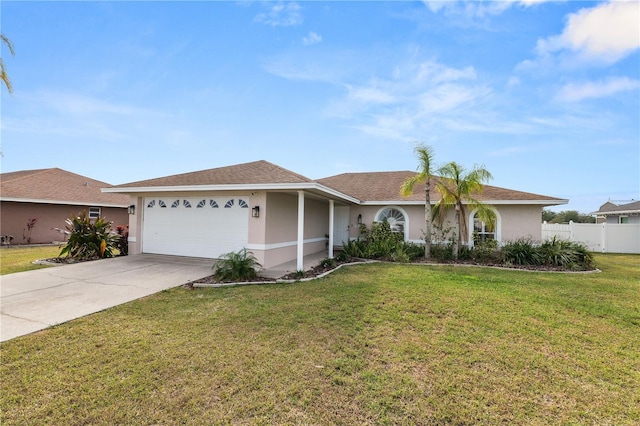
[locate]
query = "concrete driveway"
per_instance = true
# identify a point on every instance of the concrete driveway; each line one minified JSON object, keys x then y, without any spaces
{"x":34,"y":300}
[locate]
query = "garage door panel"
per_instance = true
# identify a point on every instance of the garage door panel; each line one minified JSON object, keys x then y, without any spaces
{"x":199,"y":227}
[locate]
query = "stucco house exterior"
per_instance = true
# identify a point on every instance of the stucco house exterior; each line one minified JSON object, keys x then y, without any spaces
{"x":611,"y":212}
{"x":51,"y":196}
{"x":280,"y":215}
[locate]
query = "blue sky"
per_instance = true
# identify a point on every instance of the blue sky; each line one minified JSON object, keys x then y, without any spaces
{"x":545,"y":95}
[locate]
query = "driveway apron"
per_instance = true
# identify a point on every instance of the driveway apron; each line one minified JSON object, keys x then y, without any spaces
{"x":34,"y":300}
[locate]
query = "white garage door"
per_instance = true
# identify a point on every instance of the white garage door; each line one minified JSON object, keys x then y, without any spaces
{"x":198,"y":227}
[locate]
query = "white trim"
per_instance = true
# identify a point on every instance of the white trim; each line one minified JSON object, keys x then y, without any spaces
{"x":331,"y":226}
{"x":237,"y":187}
{"x":300,"y":243}
{"x":69,"y":203}
{"x":617,"y":213}
{"x":492,"y":202}
{"x":274,"y":246}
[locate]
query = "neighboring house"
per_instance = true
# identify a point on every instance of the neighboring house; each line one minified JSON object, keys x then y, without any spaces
{"x":280,"y":215}
{"x":618,"y":213}
{"x":51,"y":196}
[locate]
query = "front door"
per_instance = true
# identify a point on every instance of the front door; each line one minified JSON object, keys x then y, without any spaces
{"x":341,"y":225}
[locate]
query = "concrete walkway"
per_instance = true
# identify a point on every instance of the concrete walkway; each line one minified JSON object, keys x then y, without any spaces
{"x":34,"y":300}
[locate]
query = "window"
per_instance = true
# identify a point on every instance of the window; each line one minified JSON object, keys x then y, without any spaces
{"x":483,"y":231}
{"x":623,"y":219}
{"x":394,"y":217}
{"x":229,"y":204}
{"x":94,"y":212}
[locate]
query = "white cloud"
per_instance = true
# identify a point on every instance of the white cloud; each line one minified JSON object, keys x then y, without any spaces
{"x":607,"y":32}
{"x":574,"y":92}
{"x":371,"y":95}
{"x":281,"y":14}
{"x":311,"y":38}
{"x":475,"y":8}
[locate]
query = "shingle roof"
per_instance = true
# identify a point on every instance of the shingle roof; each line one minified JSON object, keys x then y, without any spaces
{"x":257,"y":172}
{"x":385,"y":186}
{"x":613,"y":208}
{"x":366,"y":187}
{"x":57,"y":185}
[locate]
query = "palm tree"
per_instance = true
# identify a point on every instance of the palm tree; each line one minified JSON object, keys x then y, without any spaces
{"x":3,"y":73}
{"x":425,"y":165}
{"x":457,"y":188}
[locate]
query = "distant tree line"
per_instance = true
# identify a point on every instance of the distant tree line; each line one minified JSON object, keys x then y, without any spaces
{"x":566,"y":217}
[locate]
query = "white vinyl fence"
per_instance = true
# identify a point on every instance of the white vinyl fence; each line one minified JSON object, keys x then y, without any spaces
{"x":598,"y":237}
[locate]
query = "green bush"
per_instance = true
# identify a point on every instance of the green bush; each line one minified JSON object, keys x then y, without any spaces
{"x":89,"y":239}
{"x":442,"y":251}
{"x":486,"y":251}
{"x":353,"y":249}
{"x":327,"y":263}
{"x":521,"y":252}
{"x":565,"y":254}
{"x":236,"y":266}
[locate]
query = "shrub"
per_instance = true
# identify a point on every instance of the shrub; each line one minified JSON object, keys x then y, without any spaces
{"x":565,"y":254}
{"x":123,"y":239}
{"x":89,"y":239}
{"x":342,"y":256}
{"x":353,"y":249}
{"x":442,"y":251}
{"x":521,"y":252}
{"x":327,"y":263}
{"x":486,"y":251}
{"x":413,"y":250}
{"x":236,"y":266}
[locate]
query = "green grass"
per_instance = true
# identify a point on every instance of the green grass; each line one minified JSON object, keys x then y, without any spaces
{"x":371,"y":344}
{"x":19,"y":259}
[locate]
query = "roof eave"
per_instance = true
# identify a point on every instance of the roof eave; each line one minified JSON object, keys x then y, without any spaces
{"x":63,"y":202}
{"x":615,"y":212}
{"x":488,"y":202}
{"x":235,"y":187}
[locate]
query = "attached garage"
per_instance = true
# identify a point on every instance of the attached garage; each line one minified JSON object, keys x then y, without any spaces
{"x":195,"y":226}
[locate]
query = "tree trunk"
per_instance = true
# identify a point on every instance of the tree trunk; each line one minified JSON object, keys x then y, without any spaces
{"x":427,"y":223}
{"x":456,"y":240}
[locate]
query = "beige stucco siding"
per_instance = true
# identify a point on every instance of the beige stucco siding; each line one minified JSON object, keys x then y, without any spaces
{"x":520,"y":221}
{"x":316,"y":219}
{"x":15,"y":215}
{"x":516,"y":221}
{"x":281,"y":218}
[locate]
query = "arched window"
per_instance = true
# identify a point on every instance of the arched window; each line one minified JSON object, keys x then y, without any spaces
{"x":483,"y":231}
{"x":395,"y":217}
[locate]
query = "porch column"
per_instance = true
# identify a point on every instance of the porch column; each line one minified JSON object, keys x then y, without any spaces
{"x":300,"y":254}
{"x":331,"y":213}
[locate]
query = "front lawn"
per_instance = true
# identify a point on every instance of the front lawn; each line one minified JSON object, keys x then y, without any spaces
{"x":19,"y":259}
{"x":370,"y":344}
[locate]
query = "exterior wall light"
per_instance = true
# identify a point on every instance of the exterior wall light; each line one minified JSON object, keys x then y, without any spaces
{"x":132,"y":209}
{"x":255,"y":212}
{"x":359,"y":219}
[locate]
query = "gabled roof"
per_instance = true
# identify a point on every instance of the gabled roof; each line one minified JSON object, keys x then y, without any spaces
{"x":384,"y":187}
{"x":257,"y":172}
{"x":57,"y":186}
{"x":257,"y":175}
{"x":610,"y":208}
{"x":360,"y":188}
